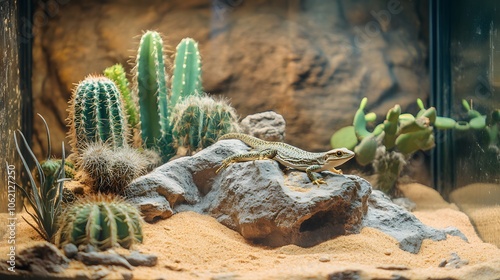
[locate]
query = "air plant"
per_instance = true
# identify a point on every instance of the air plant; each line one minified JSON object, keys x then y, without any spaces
{"x":45,"y":197}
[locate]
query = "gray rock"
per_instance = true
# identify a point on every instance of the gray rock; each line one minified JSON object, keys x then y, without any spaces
{"x":453,"y":262}
{"x":137,"y":259}
{"x":254,"y":198}
{"x":102,"y":258}
{"x":70,"y":250}
{"x":274,"y":207}
{"x":42,"y":259}
{"x":268,"y":126}
{"x":396,"y":221}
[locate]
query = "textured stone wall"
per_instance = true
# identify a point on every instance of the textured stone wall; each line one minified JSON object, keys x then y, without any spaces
{"x":311,"y":61}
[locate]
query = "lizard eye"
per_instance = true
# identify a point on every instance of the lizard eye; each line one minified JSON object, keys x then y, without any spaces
{"x":339,"y":153}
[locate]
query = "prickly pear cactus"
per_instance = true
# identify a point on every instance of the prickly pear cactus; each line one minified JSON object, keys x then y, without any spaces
{"x":101,"y":221}
{"x":116,"y":73}
{"x":151,"y":88}
{"x":96,"y":114}
{"x":200,"y":120}
{"x":186,"y":79}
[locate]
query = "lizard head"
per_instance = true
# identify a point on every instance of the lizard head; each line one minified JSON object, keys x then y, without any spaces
{"x":336,"y":157}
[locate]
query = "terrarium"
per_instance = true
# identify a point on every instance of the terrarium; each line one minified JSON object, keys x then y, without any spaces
{"x":250,"y":139}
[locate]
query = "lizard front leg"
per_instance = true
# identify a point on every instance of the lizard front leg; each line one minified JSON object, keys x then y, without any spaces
{"x":315,"y":180}
{"x":250,"y":156}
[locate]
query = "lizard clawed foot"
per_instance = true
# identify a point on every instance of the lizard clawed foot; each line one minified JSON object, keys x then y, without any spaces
{"x":224,"y":165}
{"x":337,"y":171}
{"x":319,"y":181}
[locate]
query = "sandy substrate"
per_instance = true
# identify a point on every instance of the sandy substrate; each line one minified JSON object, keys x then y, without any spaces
{"x":193,"y":246}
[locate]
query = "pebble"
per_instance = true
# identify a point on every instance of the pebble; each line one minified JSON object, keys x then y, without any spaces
{"x":324,"y":259}
{"x":70,"y":250}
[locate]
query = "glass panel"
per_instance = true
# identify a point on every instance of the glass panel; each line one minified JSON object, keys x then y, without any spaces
{"x":475,"y":83}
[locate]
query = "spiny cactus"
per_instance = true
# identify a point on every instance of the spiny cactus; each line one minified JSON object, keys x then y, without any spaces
{"x":101,"y":221}
{"x":96,"y":114}
{"x":186,"y":78}
{"x":116,"y":73}
{"x":109,"y":170}
{"x":200,"y":120}
{"x":151,"y":87}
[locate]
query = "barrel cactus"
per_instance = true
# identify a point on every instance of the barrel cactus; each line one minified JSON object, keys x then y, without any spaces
{"x":200,"y":120}
{"x":96,"y":114}
{"x":101,"y":221}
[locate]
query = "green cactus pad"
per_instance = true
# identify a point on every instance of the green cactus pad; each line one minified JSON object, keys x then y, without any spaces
{"x":359,"y":122}
{"x":444,"y":123}
{"x":101,"y":221}
{"x":344,"y":138}
{"x":411,"y":142}
{"x":478,"y":122}
{"x":365,"y":151}
{"x":462,"y":126}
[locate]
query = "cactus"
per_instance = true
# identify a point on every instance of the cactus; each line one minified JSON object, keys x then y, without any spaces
{"x":156,"y":131}
{"x":116,"y":73}
{"x":388,"y":166}
{"x":96,"y":114}
{"x":101,"y":221}
{"x":45,"y":197}
{"x":186,"y":78}
{"x":109,"y":170}
{"x":200,"y":120}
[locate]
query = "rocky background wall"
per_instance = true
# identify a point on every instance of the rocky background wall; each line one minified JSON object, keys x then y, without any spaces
{"x":311,"y":61}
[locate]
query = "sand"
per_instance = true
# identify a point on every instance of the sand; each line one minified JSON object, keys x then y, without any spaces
{"x":194,"y":246}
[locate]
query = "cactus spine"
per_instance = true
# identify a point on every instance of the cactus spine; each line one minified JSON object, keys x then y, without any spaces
{"x":200,"y":120}
{"x":102,"y":222}
{"x":186,"y":79}
{"x":96,"y":114}
{"x":116,"y":73}
{"x":152,"y":92}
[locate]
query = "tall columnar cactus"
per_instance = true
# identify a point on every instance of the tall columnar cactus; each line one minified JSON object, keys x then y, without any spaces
{"x":96,"y":114}
{"x":153,"y":96}
{"x":102,"y":222}
{"x":116,"y":73}
{"x":186,"y":79}
{"x":200,"y":120}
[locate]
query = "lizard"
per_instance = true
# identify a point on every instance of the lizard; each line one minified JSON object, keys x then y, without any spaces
{"x":289,"y":156}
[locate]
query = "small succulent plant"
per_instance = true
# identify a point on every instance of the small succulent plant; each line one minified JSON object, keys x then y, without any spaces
{"x":101,"y":221}
{"x":45,"y":197}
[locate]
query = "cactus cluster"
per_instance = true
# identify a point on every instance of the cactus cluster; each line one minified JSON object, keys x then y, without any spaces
{"x":400,"y":135}
{"x":200,"y":120}
{"x":476,"y":121}
{"x":96,"y":114}
{"x":101,"y":221}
